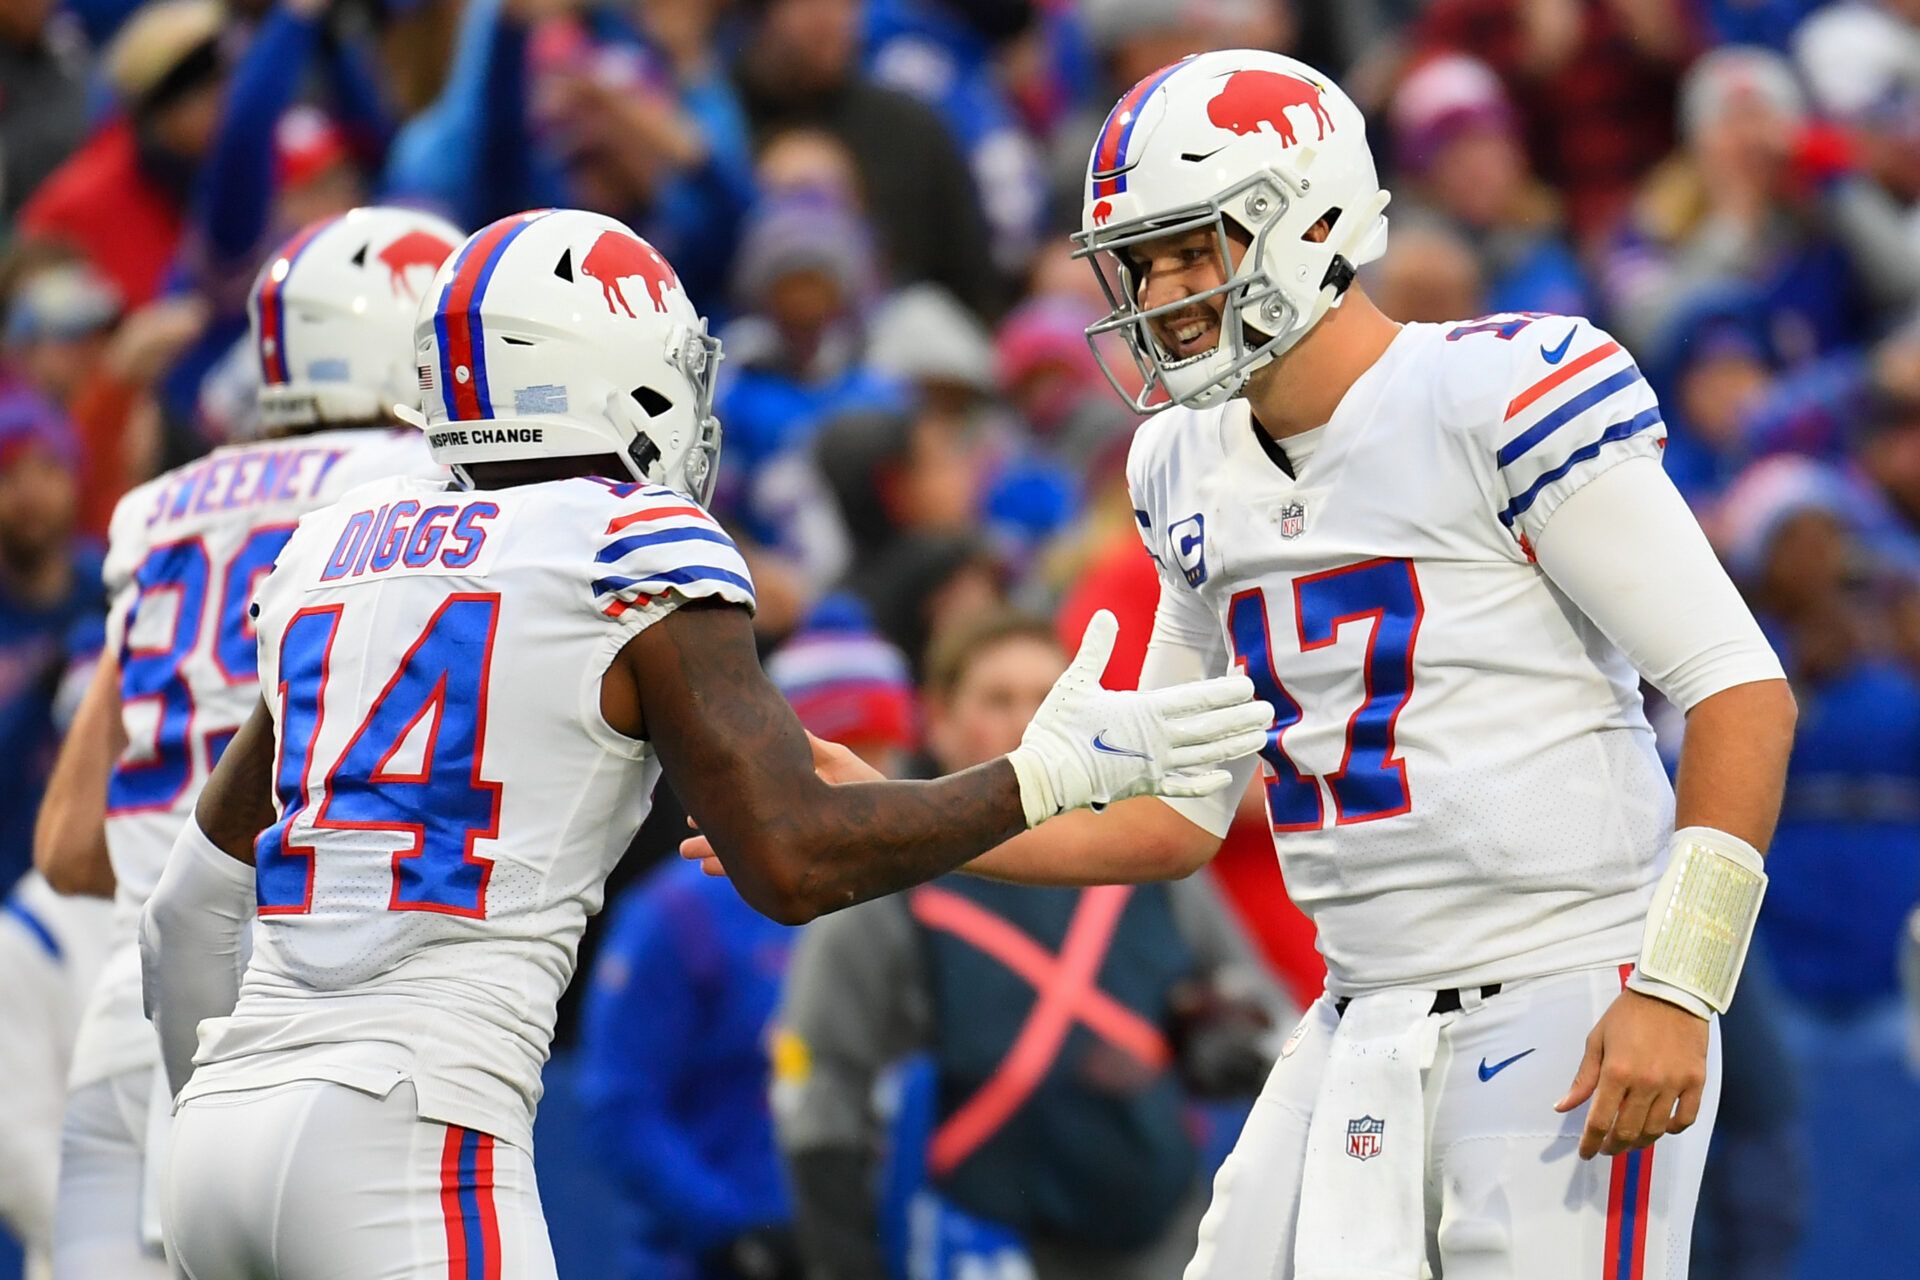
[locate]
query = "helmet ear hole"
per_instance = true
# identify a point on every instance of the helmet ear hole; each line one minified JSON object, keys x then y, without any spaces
{"x":1330,"y":219}
{"x":651,"y":401}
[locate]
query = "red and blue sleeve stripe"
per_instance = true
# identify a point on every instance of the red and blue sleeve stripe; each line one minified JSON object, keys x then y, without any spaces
{"x":467,"y":1205}
{"x":273,"y":304}
{"x":620,"y":548}
{"x":1566,"y":411}
{"x":685,"y":576}
{"x":456,"y":321}
{"x":1645,"y":420}
{"x":1110,"y":150}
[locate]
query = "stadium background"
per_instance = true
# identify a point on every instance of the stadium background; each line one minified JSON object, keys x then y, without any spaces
{"x":871,"y":200}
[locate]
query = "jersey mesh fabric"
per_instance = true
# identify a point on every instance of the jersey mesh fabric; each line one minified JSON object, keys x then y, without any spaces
{"x":355,"y":982}
{"x":1479,"y":799}
{"x":236,"y":505}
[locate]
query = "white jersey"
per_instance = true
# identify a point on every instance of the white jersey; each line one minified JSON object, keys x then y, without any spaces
{"x":185,"y":552}
{"x":51,"y":947}
{"x":1461,"y":779}
{"x":451,"y":799}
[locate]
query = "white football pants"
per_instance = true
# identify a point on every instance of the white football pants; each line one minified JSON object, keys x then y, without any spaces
{"x":97,"y":1228}
{"x":1507,"y":1196}
{"x":316,"y":1181}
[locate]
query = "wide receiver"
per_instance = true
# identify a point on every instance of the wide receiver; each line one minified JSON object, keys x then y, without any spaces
{"x":471,"y":695}
{"x":332,"y":315}
{"x":1442,"y":552}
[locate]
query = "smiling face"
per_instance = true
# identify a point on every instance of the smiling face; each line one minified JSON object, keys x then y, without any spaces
{"x":1184,"y":265}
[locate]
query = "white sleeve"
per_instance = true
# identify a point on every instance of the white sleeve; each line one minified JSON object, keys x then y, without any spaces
{"x":192,"y":935}
{"x":1627,"y":551}
{"x":1187,"y":645}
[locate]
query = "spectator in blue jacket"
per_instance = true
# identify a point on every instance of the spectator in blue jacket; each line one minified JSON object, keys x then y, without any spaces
{"x":1845,"y":862}
{"x":675,"y":1077}
{"x":1845,"y":872}
{"x":47,"y":585}
{"x":550,"y":102}
{"x":944,"y":54}
{"x":274,"y":165}
{"x":674,"y":1039}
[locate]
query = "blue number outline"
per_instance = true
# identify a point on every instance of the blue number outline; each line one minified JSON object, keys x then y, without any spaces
{"x":1249,"y":629}
{"x":1348,"y":801}
{"x":416,"y":865}
{"x":273,"y":845}
{"x":188,"y":618}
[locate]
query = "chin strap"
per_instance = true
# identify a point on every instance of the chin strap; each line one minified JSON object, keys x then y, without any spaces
{"x":1340,"y":275}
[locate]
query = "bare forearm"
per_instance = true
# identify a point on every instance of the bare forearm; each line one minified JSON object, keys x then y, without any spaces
{"x":794,"y":846}
{"x":70,"y":837}
{"x":862,"y":841}
{"x":1133,"y":842}
{"x":1733,"y":764}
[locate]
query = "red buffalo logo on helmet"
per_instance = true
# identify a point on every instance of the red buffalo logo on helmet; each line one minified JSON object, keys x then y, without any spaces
{"x":1253,"y":98}
{"x":617,"y":256}
{"x":1101,"y":212}
{"x":414,"y":249}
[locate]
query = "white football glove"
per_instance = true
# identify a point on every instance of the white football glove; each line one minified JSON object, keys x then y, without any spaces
{"x":1092,"y":746}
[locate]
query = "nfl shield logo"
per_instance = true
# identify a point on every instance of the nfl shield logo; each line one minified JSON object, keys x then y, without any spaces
{"x":1293,"y":520}
{"x":1365,"y":1137}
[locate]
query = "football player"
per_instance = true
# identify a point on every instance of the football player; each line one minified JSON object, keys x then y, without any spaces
{"x":1446,"y":554}
{"x":332,"y":317}
{"x":470,"y":695}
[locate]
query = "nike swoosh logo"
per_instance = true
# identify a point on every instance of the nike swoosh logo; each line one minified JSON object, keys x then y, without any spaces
{"x":1195,"y":157}
{"x":1101,"y":744}
{"x":1489,"y":1072}
{"x":1555,"y":354}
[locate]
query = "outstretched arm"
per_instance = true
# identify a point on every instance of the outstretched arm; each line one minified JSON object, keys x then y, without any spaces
{"x":1133,"y":842}
{"x":796,"y":847}
{"x":70,"y":835}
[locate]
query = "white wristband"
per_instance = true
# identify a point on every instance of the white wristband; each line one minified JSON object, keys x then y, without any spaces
{"x":1701,"y":921}
{"x":1036,"y":790}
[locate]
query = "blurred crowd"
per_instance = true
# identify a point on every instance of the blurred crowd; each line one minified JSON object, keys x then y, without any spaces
{"x":923,"y":461}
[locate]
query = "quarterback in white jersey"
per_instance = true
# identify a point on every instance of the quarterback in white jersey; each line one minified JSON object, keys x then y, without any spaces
{"x":186,"y":549}
{"x":1445,"y":554}
{"x":471,"y":693}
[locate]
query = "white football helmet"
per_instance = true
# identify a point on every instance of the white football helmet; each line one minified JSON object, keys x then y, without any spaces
{"x":332,"y":313}
{"x":1244,"y":138}
{"x":561,"y":334}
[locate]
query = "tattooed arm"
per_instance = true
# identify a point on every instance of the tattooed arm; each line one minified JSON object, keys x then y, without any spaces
{"x":237,"y":802}
{"x":738,"y":759}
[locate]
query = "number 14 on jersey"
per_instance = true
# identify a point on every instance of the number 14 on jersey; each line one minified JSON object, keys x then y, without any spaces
{"x":1382,"y":595}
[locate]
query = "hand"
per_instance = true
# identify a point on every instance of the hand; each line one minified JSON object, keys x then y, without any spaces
{"x":1645,"y":1069}
{"x":1092,"y":746}
{"x":149,"y":340}
{"x":833,"y":763}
